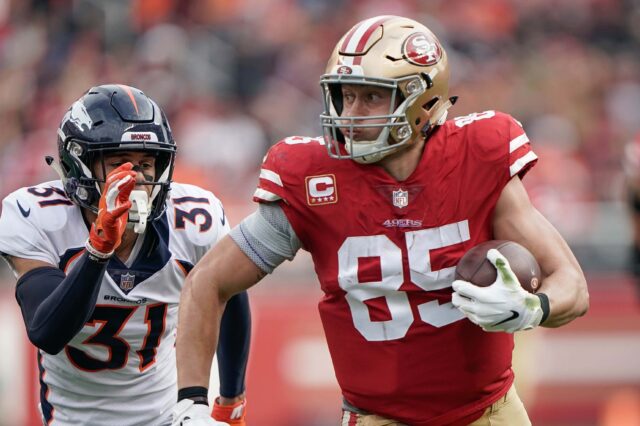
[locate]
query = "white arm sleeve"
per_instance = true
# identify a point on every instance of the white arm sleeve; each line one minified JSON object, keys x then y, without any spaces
{"x":266,"y":237}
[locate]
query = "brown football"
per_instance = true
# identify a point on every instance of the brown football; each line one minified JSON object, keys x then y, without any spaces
{"x":476,"y":268}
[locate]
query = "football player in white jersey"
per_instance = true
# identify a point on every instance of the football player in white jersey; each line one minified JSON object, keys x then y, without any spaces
{"x":101,"y":256}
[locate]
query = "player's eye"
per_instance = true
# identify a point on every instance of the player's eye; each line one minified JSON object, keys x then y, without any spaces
{"x":374,"y":97}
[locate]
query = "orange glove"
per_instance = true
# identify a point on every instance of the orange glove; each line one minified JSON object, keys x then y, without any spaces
{"x":113,"y":209}
{"x":233,"y":414}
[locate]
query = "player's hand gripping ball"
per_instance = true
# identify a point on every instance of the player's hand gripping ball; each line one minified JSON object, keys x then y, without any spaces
{"x":491,"y":292}
{"x":477,"y":269}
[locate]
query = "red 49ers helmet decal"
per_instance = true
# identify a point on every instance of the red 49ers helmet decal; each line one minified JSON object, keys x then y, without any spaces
{"x":422,"y":49}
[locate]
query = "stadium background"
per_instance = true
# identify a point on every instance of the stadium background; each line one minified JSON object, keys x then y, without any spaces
{"x":234,"y":76}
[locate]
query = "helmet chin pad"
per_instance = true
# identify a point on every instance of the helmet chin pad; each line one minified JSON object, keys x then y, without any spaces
{"x":368,"y":152}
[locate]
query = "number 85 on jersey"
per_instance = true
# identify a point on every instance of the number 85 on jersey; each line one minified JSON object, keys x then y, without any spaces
{"x":418,"y":245}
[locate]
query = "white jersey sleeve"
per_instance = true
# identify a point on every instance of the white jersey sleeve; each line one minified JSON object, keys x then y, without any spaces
{"x":198,"y":217}
{"x":28,"y":222}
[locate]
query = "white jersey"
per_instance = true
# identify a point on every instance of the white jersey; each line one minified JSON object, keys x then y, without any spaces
{"x":120,"y":368}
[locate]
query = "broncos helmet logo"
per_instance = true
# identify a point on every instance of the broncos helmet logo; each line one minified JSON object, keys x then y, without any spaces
{"x":79,"y":116}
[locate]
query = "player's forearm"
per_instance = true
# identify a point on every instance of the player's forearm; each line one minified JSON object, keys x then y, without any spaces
{"x":233,"y":345}
{"x":198,"y":330}
{"x":223,"y":272}
{"x":55,"y":307}
{"x":568,"y":296}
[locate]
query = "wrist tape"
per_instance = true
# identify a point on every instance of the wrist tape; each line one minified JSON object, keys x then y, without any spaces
{"x":198,"y":394}
{"x":544,"y":305}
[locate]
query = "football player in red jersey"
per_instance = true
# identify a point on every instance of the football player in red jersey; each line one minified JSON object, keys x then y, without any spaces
{"x":386,"y":215}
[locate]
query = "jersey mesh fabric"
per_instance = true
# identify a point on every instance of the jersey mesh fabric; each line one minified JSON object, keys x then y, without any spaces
{"x":266,"y":237}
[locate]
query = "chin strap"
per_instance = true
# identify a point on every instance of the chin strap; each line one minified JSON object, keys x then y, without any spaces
{"x":428,"y":128}
{"x":56,"y":166}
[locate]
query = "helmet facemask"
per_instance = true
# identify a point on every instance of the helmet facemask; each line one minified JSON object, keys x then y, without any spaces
{"x":397,"y":54}
{"x":85,"y":188}
{"x":396,"y":132}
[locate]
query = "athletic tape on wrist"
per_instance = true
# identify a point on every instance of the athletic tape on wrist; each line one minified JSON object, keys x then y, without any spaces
{"x":196,"y":393}
{"x":544,"y":305}
{"x":95,"y":254}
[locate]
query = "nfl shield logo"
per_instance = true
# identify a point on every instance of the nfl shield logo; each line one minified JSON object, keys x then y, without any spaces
{"x":126,"y":281}
{"x":400,"y":198}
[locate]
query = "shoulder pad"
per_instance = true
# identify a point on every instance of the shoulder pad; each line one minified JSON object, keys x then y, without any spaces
{"x":196,"y":215}
{"x":285,"y":161}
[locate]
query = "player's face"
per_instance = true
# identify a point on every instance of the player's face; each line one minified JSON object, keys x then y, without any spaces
{"x":364,"y":101}
{"x":143,"y":164}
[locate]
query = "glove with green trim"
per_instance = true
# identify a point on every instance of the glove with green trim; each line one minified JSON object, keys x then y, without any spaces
{"x":502,"y":306}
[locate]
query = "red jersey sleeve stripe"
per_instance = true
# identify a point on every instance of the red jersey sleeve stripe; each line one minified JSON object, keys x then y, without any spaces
{"x":270,"y":176}
{"x":264,"y":195}
{"x":526,"y":160}
{"x":517,"y":142}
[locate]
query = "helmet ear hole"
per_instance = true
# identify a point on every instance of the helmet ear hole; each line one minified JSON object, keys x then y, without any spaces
{"x":429,"y":105}
{"x":336,"y":97}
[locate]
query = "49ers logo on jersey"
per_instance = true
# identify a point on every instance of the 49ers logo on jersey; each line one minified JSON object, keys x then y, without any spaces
{"x":422,"y":49}
{"x":321,"y":190}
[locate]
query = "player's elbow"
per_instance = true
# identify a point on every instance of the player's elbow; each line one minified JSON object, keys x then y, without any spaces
{"x":574,"y":303}
{"x":201,"y":287}
{"x":50,"y":335}
{"x":582,"y":299}
{"x":580,"y":293}
{"x":45,"y":342}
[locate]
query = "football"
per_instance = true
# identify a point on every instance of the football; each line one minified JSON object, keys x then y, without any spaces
{"x":476,"y":268}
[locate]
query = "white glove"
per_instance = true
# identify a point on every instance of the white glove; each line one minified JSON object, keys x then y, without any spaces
{"x":188,"y":413}
{"x":502,"y":306}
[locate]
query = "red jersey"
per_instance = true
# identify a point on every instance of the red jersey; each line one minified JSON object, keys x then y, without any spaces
{"x":385,"y":254}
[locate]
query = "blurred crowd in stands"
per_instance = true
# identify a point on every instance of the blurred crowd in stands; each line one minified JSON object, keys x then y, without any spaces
{"x":234,"y":76}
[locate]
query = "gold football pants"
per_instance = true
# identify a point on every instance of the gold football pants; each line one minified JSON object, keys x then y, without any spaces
{"x":507,"y":411}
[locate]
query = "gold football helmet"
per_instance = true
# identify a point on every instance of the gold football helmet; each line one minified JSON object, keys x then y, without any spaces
{"x":394,"y":53}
